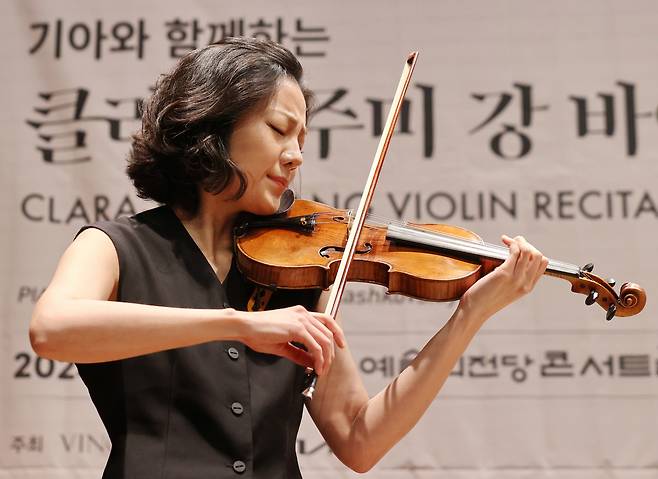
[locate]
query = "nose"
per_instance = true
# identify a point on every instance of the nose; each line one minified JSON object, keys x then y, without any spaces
{"x":292,"y":158}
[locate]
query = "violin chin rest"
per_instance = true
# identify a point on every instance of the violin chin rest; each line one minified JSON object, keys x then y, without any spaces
{"x":287,"y":199}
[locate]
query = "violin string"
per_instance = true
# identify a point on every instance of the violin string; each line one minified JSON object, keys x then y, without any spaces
{"x":467,"y":242}
{"x":458,"y":243}
{"x":471,"y":245}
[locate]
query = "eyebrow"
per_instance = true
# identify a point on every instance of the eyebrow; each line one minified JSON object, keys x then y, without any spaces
{"x":292,"y":118}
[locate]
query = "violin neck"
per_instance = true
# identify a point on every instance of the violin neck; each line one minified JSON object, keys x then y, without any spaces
{"x":468,"y":250}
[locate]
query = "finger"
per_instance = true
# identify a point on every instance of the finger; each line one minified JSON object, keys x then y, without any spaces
{"x":328,"y":334}
{"x":313,"y":348}
{"x":531,"y":266}
{"x":333,"y":326}
{"x":322,"y":327}
{"x":321,"y":337}
{"x":324,"y":340}
{"x":511,"y":260}
{"x":296,"y":355}
{"x":524,"y":263}
{"x":541,"y":269}
{"x":529,"y":257}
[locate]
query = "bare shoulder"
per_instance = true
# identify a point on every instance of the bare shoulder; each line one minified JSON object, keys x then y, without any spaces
{"x":88,"y":269}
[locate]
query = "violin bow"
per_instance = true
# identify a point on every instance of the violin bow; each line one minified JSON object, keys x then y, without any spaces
{"x":359,"y":218}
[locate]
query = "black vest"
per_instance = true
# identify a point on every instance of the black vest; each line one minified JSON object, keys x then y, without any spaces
{"x":214,"y":410}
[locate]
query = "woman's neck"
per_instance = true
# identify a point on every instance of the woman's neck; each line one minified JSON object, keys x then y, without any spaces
{"x":211,"y":228}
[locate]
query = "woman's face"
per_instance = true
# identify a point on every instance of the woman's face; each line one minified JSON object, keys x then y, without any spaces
{"x":267,"y":146}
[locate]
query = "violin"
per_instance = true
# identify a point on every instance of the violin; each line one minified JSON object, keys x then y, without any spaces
{"x":310,"y":245}
{"x":302,"y":248}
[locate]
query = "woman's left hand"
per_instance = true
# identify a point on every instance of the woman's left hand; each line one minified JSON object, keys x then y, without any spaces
{"x":514,"y":278}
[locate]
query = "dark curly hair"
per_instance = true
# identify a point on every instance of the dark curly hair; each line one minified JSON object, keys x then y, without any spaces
{"x":186,"y":124}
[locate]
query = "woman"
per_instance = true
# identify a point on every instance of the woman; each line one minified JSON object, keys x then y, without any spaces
{"x":187,"y":383}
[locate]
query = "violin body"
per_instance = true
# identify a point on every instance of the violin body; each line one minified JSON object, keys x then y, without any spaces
{"x":302,"y":249}
{"x":290,"y":258}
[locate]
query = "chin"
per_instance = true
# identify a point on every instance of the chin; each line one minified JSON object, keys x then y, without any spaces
{"x":266,"y":208}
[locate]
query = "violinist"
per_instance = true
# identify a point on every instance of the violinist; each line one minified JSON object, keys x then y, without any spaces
{"x":188,"y":383}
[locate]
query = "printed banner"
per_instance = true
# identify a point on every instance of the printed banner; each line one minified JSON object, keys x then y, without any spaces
{"x":523,"y":117}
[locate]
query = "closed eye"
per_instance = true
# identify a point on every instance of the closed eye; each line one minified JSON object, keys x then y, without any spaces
{"x":279,"y":131}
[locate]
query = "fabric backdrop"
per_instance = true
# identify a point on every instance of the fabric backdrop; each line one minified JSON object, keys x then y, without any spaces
{"x":523,"y":117}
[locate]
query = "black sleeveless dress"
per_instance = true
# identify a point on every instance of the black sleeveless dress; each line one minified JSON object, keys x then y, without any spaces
{"x":216,"y":410}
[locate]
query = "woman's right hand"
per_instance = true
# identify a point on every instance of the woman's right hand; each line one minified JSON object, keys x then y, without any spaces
{"x":275,"y":331}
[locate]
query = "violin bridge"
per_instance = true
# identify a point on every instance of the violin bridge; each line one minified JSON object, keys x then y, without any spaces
{"x":350,"y":220}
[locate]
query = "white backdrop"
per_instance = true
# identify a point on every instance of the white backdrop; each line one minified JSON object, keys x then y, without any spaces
{"x":524,"y":117}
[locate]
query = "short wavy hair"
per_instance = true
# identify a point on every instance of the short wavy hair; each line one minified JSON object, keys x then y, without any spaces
{"x":183,"y":143}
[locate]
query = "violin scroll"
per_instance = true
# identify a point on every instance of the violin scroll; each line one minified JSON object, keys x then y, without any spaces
{"x":630,"y":301}
{"x":633,"y":298}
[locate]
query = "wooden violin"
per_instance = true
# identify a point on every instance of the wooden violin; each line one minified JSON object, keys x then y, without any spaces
{"x":301,"y":249}
{"x":314,"y":246}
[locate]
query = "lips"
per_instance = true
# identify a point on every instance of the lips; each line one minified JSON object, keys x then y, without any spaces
{"x":280,"y":180}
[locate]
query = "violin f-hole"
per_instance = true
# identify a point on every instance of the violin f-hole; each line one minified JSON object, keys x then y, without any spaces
{"x":325,"y":251}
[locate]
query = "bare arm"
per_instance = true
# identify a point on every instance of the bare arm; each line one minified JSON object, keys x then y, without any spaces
{"x":360,"y":430}
{"x":77,"y":318}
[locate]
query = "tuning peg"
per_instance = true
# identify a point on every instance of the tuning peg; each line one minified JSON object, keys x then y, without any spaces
{"x":612,"y":310}
{"x":611,"y":282}
{"x":589,"y":267}
{"x":591,"y":298}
